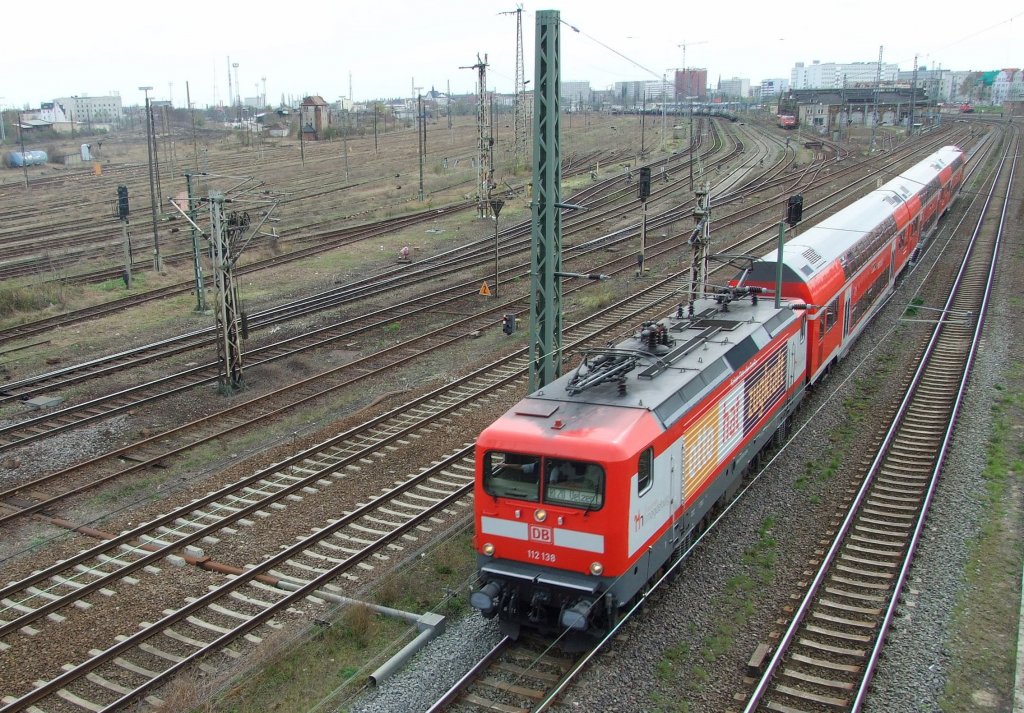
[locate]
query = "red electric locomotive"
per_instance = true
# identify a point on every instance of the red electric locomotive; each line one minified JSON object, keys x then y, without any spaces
{"x":587,"y":488}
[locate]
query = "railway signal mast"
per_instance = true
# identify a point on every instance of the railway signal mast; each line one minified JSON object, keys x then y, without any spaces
{"x":520,"y":118}
{"x":484,"y":176}
{"x":229,"y":231}
{"x":700,"y":244}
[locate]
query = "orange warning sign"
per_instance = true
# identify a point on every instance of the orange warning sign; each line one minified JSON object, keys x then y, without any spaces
{"x":484,"y":289}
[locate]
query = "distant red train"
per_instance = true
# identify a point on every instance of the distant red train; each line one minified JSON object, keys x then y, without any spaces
{"x":589,"y":487}
{"x":787,"y":121}
{"x":966,"y":109}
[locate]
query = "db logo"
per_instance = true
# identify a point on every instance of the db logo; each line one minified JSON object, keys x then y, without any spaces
{"x":541,"y":534}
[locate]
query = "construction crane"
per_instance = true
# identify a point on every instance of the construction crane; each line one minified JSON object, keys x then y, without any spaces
{"x":685,"y":44}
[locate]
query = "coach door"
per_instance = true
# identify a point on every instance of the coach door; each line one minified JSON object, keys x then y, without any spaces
{"x":846,"y":314}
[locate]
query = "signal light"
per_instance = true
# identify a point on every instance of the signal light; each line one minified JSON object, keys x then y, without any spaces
{"x":795,"y":210}
{"x":508,"y":323}
{"x":122,"y":202}
{"x":645,"y":182}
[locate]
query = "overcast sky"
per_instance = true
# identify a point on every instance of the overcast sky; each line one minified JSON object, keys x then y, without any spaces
{"x":79,"y":48}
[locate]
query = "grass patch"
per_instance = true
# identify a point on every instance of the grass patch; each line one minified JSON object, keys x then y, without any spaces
{"x":984,"y":633}
{"x":737,"y":603}
{"x":132,"y":490}
{"x":116,"y":284}
{"x":32,"y":298}
{"x":911,"y":310}
{"x":332,"y":660}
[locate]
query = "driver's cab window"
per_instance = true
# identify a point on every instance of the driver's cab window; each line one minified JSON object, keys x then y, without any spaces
{"x":573,"y":483}
{"x":512,"y":475}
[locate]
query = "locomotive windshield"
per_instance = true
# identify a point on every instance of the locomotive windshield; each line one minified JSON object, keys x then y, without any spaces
{"x":565,"y":482}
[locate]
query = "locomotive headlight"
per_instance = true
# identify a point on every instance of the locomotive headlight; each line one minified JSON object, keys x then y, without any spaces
{"x":596,"y":568}
{"x":488,"y":548}
{"x":540,"y":515}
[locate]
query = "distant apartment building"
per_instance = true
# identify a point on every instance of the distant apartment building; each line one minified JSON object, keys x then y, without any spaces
{"x":575,"y":94}
{"x":634,"y":95}
{"x":833,"y":75}
{"x":691,"y":83}
{"x":939,"y":84}
{"x":1008,"y":86}
{"x":82,"y":110}
{"x":735,"y":88}
{"x":773,"y":87}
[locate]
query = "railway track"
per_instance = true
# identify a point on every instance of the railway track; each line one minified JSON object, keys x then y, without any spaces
{"x":121,"y":649}
{"x":39,"y":604}
{"x":511,"y":678}
{"x":155,"y":449}
{"x":826,"y":658}
{"x":516,"y":241}
{"x":304,"y":246}
{"x":454,"y":262}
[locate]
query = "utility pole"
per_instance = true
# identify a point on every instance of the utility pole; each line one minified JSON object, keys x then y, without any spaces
{"x":21,"y":139}
{"x":913,"y":99}
{"x":238,"y":96}
{"x":844,"y":114}
{"x":691,"y":143}
{"x":192,"y":114}
{"x":874,"y":108}
{"x":496,"y":206}
{"x":152,"y":186}
{"x":263,"y":102}
{"x":344,"y":137}
{"x":483,"y":180}
{"x":231,"y":91}
{"x":449,"y":103}
{"x":197,"y":264}
{"x":419,"y":135}
{"x":643,"y":128}
{"x":519,"y":118}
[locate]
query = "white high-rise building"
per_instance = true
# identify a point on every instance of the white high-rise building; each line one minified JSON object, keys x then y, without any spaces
{"x":774,"y":87}
{"x":737,"y":87}
{"x":832,"y":75}
{"x":90,"y":110}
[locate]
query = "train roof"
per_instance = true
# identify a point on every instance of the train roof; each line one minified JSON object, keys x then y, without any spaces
{"x":668,"y":380}
{"x":817,"y":247}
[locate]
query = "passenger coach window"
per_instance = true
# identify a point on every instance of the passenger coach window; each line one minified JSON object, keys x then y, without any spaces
{"x":645,"y":471}
{"x":831,"y":315}
{"x":512,"y":475}
{"x":573,"y":483}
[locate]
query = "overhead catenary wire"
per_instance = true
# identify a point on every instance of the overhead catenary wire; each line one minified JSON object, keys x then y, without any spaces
{"x":611,"y":49}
